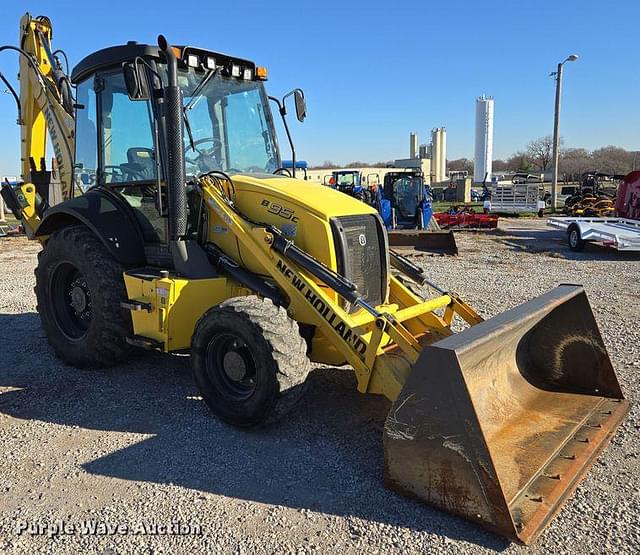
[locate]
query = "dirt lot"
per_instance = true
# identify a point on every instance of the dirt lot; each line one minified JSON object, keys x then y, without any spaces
{"x":135,"y":444}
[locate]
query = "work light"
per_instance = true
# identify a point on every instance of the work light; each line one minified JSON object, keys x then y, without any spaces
{"x":192,"y":60}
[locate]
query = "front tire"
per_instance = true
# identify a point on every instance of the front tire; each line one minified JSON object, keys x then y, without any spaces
{"x":249,"y":361}
{"x":79,"y":286}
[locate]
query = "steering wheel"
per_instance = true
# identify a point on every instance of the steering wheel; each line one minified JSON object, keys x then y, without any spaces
{"x":204,"y":158}
{"x":283,"y":171}
{"x":116,"y":173}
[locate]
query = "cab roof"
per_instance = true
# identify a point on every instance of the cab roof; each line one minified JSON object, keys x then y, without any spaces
{"x":115,"y":56}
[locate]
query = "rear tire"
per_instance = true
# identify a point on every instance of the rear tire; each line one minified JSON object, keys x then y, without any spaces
{"x":574,"y":239}
{"x":79,"y":287}
{"x":249,"y":361}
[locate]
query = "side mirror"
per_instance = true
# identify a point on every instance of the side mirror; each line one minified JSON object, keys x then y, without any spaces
{"x":135,"y":83}
{"x":301,"y":105}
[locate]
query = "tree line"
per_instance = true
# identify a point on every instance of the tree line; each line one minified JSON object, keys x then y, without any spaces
{"x":538,"y":158}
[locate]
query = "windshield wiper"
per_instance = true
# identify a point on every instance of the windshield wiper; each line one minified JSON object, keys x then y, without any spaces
{"x":195,"y":97}
{"x":187,"y":125}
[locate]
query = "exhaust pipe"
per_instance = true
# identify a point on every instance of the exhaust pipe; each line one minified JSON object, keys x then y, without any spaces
{"x":189,"y":259}
{"x":176,"y":192}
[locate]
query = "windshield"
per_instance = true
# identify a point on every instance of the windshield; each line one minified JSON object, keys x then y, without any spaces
{"x":347,"y":179}
{"x":409,"y":192}
{"x":228,"y":125}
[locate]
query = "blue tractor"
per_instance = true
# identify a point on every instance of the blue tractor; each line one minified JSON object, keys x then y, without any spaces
{"x":352,"y":183}
{"x":404,"y":203}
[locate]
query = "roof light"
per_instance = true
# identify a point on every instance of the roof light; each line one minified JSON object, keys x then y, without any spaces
{"x":247,"y":75}
{"x":261,"y":73}
{"x":211,"y":63}
{"x":192,"y":60}
{"x":235,"y":70}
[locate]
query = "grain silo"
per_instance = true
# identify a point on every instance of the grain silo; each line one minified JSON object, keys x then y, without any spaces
{"x":413,"y":145}
{"x":439,"y":154}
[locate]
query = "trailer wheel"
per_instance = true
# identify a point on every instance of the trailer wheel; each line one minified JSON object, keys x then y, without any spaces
{"x":79,"y":286}
{"x":574,"y":239}
{"x":249,"y":361}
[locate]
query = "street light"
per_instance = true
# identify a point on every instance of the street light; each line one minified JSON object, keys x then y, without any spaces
{"x":556,"y":130}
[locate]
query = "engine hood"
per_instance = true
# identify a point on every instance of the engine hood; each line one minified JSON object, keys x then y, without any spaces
{"x":318,"y":199}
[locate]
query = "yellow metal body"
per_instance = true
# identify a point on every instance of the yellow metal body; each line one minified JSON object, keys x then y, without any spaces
{"x":177,"y":305}
{"x":381,"y":349}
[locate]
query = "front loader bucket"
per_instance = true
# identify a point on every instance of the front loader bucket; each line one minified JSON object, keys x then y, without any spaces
{"x":499,"y":423}
{"x":441,"y":242}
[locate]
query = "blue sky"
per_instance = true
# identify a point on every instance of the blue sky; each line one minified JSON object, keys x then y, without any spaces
{"x":374,"y":71}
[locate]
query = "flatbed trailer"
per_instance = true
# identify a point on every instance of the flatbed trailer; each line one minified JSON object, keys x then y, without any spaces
{"x":515,"y":198}
{"x":622,"y":234}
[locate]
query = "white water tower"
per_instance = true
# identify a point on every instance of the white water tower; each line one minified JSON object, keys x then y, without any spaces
{"x":483,"y":158}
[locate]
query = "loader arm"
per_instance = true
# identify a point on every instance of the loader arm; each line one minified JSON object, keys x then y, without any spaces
{"x":381,"y":343}
{"x":45,"y":110}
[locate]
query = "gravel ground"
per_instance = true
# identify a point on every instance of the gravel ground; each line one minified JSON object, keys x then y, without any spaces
{"x":135,"y":444}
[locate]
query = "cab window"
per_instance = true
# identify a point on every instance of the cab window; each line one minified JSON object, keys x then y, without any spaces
{"x":86,"y":160}
{"x":127,"y":153}
{"x":126,"y":142}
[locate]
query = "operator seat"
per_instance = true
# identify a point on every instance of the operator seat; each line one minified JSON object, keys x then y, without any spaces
{"x":141,"y":164}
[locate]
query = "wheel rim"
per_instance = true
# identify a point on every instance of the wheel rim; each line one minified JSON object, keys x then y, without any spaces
{"x":70,"y":300}
{"x":573,"y":238}
{"x":231,"y":366}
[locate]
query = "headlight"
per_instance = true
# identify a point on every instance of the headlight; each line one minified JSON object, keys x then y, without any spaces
{"x":235,"y":70}
{"x":211,"y":63}
{"x":247,"y":74}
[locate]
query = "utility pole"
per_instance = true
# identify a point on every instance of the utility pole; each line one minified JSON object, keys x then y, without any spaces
{"x":556,"y":131}
{"x":556,"y":140}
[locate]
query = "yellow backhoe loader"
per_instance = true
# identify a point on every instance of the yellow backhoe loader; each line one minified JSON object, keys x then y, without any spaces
{"x":166,"y":224}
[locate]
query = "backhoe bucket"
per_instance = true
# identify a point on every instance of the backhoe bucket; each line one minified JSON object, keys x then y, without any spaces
{"x":441,"y":242}
{"x":499,"y":423}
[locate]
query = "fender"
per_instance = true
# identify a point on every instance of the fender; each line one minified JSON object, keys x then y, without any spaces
{"x":109,"y":217}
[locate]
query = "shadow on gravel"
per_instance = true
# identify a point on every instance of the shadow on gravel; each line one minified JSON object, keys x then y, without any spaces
{"x":554,"y":243}
{"x":326,"y":456}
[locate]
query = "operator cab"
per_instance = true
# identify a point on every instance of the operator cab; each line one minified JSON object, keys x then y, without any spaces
{"x":347,"y":180}
{"x":409,"y":199}
{"x":120,"y":127}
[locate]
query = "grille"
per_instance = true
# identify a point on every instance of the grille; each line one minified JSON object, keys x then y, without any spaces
{"x":361,"y":252}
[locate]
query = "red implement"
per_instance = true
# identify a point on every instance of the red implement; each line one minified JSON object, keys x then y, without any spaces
{"x":466,"y":220}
